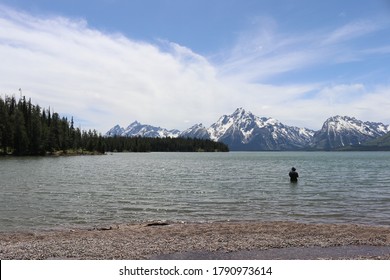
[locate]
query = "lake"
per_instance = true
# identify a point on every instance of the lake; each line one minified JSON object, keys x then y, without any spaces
{"x":85,"y":191}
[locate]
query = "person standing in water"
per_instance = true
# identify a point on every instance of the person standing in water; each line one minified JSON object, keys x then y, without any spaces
{"x":293,"y":175}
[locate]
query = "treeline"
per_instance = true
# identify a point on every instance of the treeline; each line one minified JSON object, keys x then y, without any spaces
{"x":27,"y":129}
{"x":147,"y":144}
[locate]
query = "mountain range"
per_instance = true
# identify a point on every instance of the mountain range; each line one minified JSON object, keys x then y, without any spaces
{"x":243,"y":131}
{"x":144,"y":130}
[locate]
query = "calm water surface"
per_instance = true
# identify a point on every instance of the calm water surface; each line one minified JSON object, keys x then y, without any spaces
{"x":56,"y":192}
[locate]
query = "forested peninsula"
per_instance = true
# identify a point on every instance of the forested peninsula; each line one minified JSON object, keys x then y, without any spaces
{"x":29,"y":130}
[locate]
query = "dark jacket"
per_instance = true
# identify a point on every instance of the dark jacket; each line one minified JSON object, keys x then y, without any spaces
{"x":293,"y":176}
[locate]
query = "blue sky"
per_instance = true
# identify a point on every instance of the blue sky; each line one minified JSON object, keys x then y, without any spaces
{"x":175,"y":63}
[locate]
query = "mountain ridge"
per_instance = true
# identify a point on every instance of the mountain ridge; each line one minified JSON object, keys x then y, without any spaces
{"x":340,"y":131}
{"x":244,"y":131}
{"x":144,"y":130}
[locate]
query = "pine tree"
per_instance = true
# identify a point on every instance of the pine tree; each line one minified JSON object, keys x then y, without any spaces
{"x":20,"y":137}
{"x":3,"y":126}
{"x":36,"y":136}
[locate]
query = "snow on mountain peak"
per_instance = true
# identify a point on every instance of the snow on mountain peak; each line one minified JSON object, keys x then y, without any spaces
{"x":239,"y":120}
{"x":196,"y":131}
{"x":242,"y":128}
{"x":339,"y":131}
{"x":133,"y":125}
{"x":138,"y":129}
{"x":244,"y":131}
{"x":240,"y":112}
{"x":116,"y":130}
{"x":345,"y":123}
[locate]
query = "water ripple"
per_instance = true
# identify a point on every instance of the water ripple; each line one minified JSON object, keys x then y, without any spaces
{"x":68,"y":191}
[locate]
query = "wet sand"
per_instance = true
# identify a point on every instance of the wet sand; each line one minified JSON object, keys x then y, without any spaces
{"x":224,"y":240}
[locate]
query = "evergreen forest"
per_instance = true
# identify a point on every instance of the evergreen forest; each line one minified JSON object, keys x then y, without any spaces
{"x":28,"y":129}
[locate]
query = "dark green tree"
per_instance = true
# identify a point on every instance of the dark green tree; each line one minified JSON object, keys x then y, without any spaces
{"x":21,"y":142}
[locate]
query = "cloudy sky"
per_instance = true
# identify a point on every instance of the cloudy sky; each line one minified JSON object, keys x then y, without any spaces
{"x":174,"y":63}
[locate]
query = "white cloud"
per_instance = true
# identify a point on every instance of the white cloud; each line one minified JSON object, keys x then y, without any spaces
{"x":353,"y":100}
{"x":351,"y":31}
{"x":265,"y":52}
{"x":105,"y":79}
{"x":341,"y":93}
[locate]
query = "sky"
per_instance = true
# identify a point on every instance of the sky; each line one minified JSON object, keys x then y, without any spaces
{"x":176,"y":63}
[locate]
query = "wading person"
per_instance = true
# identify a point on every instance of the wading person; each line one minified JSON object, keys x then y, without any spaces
{"x":293,"y":175}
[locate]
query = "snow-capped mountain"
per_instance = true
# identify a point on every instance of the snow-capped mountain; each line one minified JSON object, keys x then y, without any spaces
{"x":197,"y":131}
{"x":340,"y":131}
{"x":115,"y":131}
{"x":144,"y":130}
{"x":244,"y":131}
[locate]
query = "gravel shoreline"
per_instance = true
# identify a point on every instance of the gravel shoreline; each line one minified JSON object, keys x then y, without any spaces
{"x":148,"y":241}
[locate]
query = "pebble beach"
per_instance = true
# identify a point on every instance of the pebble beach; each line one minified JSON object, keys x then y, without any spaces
{"x":217,"y":240}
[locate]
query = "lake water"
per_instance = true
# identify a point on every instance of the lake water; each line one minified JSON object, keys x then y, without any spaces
{"x":87,"y":191}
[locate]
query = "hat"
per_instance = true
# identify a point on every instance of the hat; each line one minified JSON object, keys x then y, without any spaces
{"x":293,"y":169}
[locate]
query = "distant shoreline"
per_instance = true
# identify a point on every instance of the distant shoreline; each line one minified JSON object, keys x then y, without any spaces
{"x":58,"y":153}
{"x":146,"y":241}
{"x":96,"y":153}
